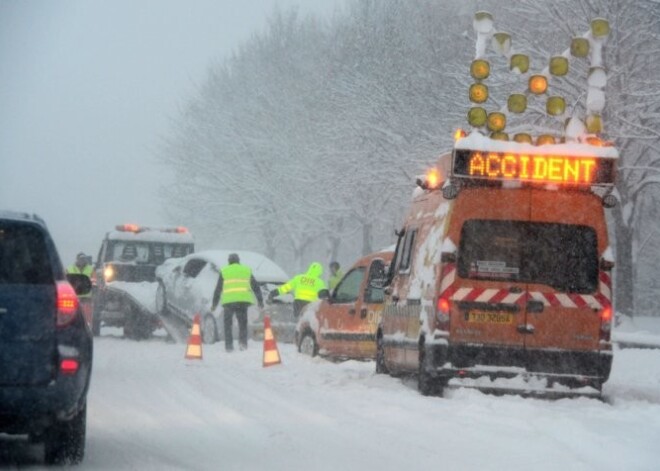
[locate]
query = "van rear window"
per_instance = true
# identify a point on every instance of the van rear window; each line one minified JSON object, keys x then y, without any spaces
{"x":24,"y":257}
{"x":562,"y":256}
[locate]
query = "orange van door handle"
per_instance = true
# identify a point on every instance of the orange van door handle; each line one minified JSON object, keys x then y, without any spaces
{"x":525,"y":328}
{"x":363,"y":313}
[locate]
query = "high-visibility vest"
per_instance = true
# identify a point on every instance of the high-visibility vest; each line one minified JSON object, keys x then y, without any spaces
{"x":86,"y":270}
{"x":304,"y":287}
{"x":236,"y":286}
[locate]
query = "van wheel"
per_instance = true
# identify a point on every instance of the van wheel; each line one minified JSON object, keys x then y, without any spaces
{"x":308,"y":345}
{"x":380,"y":356}
{"x":65,"y":441}
{"x":209,"y":330}
{"x":427,"y":384}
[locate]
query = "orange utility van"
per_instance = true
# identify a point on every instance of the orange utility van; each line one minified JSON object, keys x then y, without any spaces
{"x":344,"y":326}
{"x":502,"y":268}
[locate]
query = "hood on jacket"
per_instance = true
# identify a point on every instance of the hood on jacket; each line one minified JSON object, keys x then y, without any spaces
{"x":315,"y":270}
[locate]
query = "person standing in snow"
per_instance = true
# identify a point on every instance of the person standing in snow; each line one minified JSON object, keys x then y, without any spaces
{"x":236,"y":290}
{"x":335,"y":275}
{"x":82,"y":266}
{"x":306,"y":287}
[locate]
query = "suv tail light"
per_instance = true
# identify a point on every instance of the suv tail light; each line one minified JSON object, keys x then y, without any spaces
{"x":69,"y":366}
{"x":606,"y":323}
{"x":67,"y":303}
{"x":443,"y":310}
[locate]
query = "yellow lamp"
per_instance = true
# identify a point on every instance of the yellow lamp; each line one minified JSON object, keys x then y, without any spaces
{"x":600,"y":27}
{"x":477,"y":116}
{"x":579,"y":47}
{"x":519,"y":61}
{"x":555,"y":106}
{"x":594,"y":124}
{"x":558,"y":65}
{"x":499,"y":136}
{"x":545,"y":139}
{"x":480,"y":69}
{"x":523,"y":138}
{"x":502,"y":43}
{"x":538,"y":84}
{"x":478,"y":92}
{"x":517,"y":103}
{"x":496,"y":121}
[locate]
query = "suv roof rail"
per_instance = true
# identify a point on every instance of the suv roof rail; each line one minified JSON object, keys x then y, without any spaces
{"x":20,"y":215}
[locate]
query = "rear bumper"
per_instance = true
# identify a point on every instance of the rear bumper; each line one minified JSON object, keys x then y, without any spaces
{"x":31,"y":409}
{"x":580,"y":367}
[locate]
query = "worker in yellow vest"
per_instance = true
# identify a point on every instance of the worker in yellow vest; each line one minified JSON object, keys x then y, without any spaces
{"x":306,"y":287}
{"x":82,"y":266}
{"x":236,"y":290}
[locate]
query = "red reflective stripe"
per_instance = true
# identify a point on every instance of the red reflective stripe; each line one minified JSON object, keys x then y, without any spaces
{"x":499,"y":296}
{"x":579,"y":301}
{"x":474,"y":294}
{"x":447,"y":269}
{"x":449,"y":292}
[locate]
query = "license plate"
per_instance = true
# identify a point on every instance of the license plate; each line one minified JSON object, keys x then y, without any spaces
{"x":489,"y":317}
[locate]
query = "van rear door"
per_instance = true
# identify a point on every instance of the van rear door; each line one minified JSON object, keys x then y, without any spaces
{"x":28,"y":302}
{"x":563,"y":273}
{"x":489,"y":298}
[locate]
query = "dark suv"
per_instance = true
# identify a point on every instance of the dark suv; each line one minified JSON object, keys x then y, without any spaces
{"x":45,"y":343}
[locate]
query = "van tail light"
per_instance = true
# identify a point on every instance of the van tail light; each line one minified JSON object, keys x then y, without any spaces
{"x":67,"y":304}
{"x":443,"y":310}
{"x":606,"y":323}
{"x":69,"y":366}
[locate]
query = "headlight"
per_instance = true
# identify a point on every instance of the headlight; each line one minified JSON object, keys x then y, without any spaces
{"x":108,"y":273}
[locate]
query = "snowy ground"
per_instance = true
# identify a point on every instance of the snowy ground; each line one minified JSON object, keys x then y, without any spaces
{"x":149,"y":409}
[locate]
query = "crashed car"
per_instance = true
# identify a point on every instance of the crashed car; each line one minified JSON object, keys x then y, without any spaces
{"x":186,"y":286}
{"x":125,"y":276}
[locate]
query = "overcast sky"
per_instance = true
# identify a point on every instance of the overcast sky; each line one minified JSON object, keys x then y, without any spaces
{"x":88,"y":89}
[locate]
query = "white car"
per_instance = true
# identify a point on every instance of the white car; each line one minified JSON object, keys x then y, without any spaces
{"x":186,"y":286}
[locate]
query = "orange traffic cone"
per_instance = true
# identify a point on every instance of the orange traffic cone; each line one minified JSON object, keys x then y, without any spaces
{"x":271,"y":353}
{"x":194,"y":349}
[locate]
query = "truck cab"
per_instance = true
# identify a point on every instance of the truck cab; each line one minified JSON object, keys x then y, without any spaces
{"x":125,"y":275}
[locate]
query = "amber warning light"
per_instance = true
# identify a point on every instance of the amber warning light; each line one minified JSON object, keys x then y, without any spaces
{"x":558,"y":169}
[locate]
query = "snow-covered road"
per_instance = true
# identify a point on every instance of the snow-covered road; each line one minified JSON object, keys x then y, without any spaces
{"x":151,"y":409}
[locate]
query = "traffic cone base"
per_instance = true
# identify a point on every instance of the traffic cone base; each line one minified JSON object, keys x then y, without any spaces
{"x":194,"y":348}
{"x":271,"y":353}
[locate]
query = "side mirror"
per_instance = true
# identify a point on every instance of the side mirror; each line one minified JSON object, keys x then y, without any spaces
{"x":81,"y":283}
{"x":324,"y":294}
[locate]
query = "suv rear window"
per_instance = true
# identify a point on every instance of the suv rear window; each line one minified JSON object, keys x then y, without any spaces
{"x":562,"y":256}
{"x":24,"y":257}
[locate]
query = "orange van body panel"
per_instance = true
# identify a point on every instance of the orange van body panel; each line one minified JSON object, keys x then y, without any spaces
{"x":505,"y":317}
{"x":348,"y":330}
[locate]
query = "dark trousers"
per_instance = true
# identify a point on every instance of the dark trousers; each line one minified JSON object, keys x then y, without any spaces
{"x":298,"y":304}
{"x":240,"y":309}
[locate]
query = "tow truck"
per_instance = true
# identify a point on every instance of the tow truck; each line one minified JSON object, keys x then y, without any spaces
{"x":124,"y":276}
